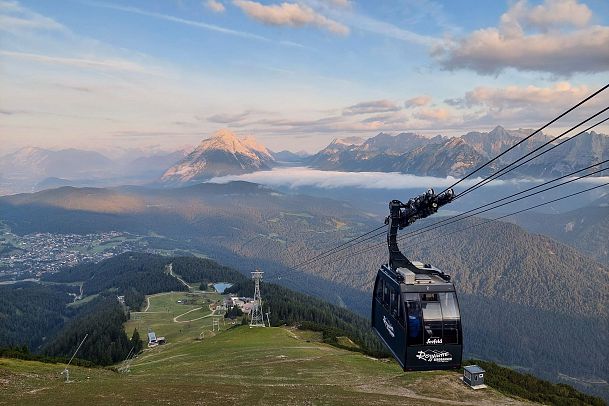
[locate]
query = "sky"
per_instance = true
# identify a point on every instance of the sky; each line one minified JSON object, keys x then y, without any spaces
{"x":159,"y":75}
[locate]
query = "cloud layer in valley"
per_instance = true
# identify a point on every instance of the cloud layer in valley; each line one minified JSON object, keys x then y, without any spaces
{"x":295,"y":177}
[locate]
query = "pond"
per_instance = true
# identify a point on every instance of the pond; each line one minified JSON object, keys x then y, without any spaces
{"x":222,"y":286}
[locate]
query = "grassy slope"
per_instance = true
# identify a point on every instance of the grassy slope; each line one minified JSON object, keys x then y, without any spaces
{"x":261,"y":366}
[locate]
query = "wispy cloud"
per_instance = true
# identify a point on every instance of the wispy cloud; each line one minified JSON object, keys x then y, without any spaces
{"x":100,"y":64}
{"x":215,"y":6}
{"x":289,"y":14}
{"x":364,"y":22}
{"x":227,"y":118}
{"x":417,"y":101}
{"x":375,"y":106}
{"x":15,"y":18}
{"x":191,"y":23}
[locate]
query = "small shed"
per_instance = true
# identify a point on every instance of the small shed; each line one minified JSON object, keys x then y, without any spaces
{"x":473,"y":376}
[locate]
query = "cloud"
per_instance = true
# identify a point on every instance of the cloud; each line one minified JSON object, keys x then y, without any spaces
{"x":551,"y":13}
{"x":289,"y":14}
{"x":99,"y":64}
{"x":375,"y":106}
{"x":15,"y":18}
{"x":417,"y":101}
{"x":341,"y":3}
{"x":228,"y":118}
{"x":192,"y":23}
{"x":215,"y":6}
{"x":434,"y":114}
{"x":562,"y":93}
{"x":555,"y":36}
{"x":300,"y":177}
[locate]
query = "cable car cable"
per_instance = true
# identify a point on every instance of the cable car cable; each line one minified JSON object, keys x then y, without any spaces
{"x":507,"y":197}
{"x":338,"y":246}
{"x":341,"y":249}
{"x":419,"y":231}
{"x":345,"y":245}
{"x":463,"y":216}
{"x":374,"y":247}
{"x":529,"y":136}
{"x":506,"y":203}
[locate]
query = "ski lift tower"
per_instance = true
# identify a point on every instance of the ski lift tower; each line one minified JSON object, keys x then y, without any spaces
{"x":66,"y":372}
{"x":257,"y":319}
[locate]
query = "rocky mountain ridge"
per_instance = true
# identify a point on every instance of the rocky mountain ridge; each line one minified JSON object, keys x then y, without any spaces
{"x":442,"y":156}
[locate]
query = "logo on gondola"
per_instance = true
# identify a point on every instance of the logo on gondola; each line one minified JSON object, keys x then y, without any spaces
{"x":433,"y":340}
{"x":435,"y":356}
{"x":388,"y":326}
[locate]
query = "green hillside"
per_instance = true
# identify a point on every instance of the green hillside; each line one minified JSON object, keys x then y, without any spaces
{"x":238,"y":364}
{"x":242,"y":365}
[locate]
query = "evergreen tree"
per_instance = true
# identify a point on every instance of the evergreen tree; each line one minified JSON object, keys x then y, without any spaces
{"x":136,"y":342}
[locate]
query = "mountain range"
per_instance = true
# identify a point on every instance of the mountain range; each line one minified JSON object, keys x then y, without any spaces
{"x":226,"y":154}
{"x":441,"y":156}
{"x":32,"y":168}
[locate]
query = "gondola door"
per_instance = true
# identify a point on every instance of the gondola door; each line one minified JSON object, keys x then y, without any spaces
{"x":388,"y":315}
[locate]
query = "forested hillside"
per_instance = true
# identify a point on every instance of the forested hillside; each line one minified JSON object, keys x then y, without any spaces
{"x":31,"y":314}
{"x":106,"y":342}
{"x":499,"y":266}
{"x":526,"y":300}
{"x":131,"y":274}
{"x":586,"y":229}
{"x":138,"y":274}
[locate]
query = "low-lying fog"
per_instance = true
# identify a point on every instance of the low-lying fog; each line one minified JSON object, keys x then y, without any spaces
{"x":372,"y":190}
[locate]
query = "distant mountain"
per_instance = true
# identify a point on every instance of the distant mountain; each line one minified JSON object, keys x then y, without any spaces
{"x":223,"y":154}
{"x":441,"y":156}
{"x":379,"y":153}
{"x":155,"y":165}
{"x":32,"y":169}
{"x":289,"y":156}
{"x":39,"y":163}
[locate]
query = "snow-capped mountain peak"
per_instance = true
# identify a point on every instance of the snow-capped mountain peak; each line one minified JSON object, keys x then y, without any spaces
{"x":222,"y":154}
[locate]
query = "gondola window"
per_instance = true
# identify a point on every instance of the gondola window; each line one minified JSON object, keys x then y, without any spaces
{"x":432,"y":320}
{"x":450,"y":316}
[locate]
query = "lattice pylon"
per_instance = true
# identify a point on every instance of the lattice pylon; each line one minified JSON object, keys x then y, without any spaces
{"x":257,"y":319}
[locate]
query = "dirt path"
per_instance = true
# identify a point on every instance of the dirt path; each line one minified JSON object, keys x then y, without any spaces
{"x":175,"y":319}
{"x":148,"y":301}
{"x":170,"y":267}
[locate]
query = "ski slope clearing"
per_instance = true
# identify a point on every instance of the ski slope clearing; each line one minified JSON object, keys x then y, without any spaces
{"x":238,"y":366}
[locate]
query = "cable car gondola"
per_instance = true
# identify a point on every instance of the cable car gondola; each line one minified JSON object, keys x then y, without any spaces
{"x":415,"y":310}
